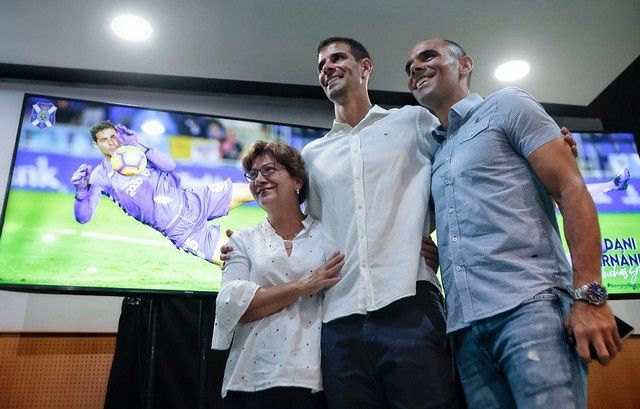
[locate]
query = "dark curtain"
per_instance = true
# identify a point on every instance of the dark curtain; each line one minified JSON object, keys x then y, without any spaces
{"x":188,"y":374}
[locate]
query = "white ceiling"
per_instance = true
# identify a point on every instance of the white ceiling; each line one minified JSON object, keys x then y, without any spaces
{"x":575,"y":48}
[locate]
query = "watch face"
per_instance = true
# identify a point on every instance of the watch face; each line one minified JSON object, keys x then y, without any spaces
{"x":595,"y":294}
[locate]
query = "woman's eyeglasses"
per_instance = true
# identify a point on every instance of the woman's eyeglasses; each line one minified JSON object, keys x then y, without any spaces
{"x":266,"y":170}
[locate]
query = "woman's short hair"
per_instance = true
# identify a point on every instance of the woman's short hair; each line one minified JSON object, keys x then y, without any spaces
{"x":285,"y":155}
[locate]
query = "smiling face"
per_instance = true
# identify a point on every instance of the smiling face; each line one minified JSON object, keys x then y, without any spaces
{"x":107,"y":142}
{"x":276,"y":189}
{"x":339,"y":72}
{"x":437,"y":76}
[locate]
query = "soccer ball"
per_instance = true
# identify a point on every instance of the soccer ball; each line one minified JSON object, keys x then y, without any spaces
{"x":128,"y":160}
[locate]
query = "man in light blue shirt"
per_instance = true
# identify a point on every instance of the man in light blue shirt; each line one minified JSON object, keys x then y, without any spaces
{"x":501,"y":165}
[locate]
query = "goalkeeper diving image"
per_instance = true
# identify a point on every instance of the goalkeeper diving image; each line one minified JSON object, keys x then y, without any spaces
{"x":142,"y":182}
{"x":620,"y":182}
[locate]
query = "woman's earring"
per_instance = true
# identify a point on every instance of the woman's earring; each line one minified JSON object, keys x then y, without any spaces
{"x":297,"y":191}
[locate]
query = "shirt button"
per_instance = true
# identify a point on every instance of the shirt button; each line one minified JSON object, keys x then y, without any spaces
{"x":359,"y":205}
{"x":363,"y":264}
{"x":454,"y":238}
{"x":448,"y":158}
{"x":451,"y":210}
{"x":458,"y":268}
{"x":357,"y":177}
{"x":447,"y":182}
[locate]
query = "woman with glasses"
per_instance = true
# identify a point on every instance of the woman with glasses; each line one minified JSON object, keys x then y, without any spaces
{"x":269,"y":305}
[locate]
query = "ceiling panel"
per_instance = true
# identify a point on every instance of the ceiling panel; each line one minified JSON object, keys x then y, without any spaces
{"x":575,"y":48}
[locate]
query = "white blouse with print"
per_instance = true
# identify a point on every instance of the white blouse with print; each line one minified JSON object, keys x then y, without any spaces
{"x":282,"y":349}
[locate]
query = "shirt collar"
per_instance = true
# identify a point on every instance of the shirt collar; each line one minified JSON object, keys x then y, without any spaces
{"x":457,"y":116}
{"x":373,"y":114}
{"x":465,"y":105}
{"x":307,"y":222}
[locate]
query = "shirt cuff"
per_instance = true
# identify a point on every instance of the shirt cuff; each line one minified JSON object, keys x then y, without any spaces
{"x":232,"y":302}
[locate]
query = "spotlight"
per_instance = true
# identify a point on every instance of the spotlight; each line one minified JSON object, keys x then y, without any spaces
{"x":131,"y":28}
{"x":512,"y":70}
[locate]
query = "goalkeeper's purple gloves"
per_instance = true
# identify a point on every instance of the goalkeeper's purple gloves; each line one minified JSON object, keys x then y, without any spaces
{"x":126,"y":136}
{"x":80,"y":180}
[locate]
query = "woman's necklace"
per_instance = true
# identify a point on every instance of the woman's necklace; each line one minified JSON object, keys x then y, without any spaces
{"x":289,"y":237}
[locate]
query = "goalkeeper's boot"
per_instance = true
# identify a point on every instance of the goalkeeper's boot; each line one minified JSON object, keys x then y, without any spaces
{"x":622,"y":180}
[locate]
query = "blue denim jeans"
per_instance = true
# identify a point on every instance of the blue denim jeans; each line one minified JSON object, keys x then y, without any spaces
{"x":521,"y":358}
{"x":396,"y":357}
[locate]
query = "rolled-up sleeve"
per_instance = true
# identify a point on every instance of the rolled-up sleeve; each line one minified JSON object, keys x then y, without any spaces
{"x":236,"y":293}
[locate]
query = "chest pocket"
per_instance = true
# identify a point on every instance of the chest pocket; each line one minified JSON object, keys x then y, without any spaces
{"x":474,"y":146}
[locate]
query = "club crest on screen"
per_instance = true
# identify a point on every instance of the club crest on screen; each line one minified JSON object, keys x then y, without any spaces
{"x":43,"y":114}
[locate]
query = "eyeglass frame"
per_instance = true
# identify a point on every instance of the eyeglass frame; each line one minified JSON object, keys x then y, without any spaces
{"x":275,"y":165}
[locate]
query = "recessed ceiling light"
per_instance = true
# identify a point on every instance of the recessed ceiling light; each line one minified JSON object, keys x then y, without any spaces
{"x":131,"y":28}
{"x":512,"y":70}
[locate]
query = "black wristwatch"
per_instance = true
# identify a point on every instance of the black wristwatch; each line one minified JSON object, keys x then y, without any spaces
{"x":592,"y":293}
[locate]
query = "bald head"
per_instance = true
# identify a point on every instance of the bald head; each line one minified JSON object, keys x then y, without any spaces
{"x":438,"y":72}
{"x":453,"y":49}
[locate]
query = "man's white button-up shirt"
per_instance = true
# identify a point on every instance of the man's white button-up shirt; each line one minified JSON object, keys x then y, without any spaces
{"x":370,"y":187}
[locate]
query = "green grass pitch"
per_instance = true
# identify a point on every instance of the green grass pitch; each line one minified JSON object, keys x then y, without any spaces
{"x":42,"y":244}
{"x":618,"y":226}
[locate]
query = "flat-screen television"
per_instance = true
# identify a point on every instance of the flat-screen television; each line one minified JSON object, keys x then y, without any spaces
{"x":42,"y":246}
{"x":610,"y":165}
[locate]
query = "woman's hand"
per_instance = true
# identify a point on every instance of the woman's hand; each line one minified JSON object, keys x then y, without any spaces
{"x":323,"y":276}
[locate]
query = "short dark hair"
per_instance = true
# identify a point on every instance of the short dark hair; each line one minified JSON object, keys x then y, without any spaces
{"x":285,"y":155}
{"x":357,"y":49}
{"x":458,"y":52}
{"x":100,"y":126}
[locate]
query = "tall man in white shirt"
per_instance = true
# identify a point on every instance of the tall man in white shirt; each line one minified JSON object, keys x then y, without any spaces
{"x":383,"y":335}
